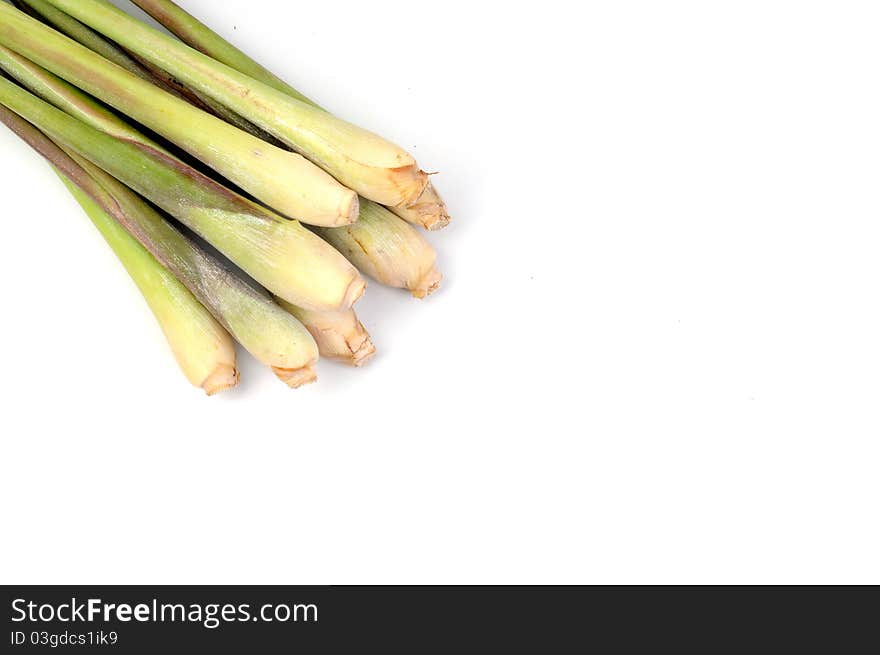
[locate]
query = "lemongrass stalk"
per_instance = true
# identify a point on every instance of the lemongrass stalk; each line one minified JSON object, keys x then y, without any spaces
{"x":197,"y":35}
{"x":387,"y":249}
{"x":367,"y":163}
{"x":427,"y":210}
{"x":71,"y":27}
{"x":86,"y":36}
{"x":280,"y":254}
{"x":271,"y":334}
{"x":282,"y":179}
{"x":266,"y":330}
{"x":378,"y":244}
{"x":206,"y":103}
{"x":203,"y":349}
{"x":68,"y":98}
{"x":256,"y":321}
{"x":340,"y":335}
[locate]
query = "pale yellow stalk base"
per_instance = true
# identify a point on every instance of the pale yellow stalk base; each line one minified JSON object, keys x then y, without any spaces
{"x":339,"y":335}
{"x":224,"y":377}
{"x":295,"y":378}
{"x":272,"y":335}
{"x":388,"y":249}
{"x":427,"y":284}
{"x":427,"y":211}
{"x":202,"y":347}
{"x":207,"y":359}
{"x":355,"y":292}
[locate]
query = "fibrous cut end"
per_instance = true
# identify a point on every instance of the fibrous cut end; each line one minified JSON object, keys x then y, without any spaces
{"x":428,"y":284}
{"x":410,"y":182}
{"x":427,"y":211}
{"x":363,"y":353}
{"x":296,"y":377}
{"x":353,"y":347}
{"x":355,"y":290}
{"x":224,"y":377}
{"x":349,"y":210}
{"x":436,"y":221}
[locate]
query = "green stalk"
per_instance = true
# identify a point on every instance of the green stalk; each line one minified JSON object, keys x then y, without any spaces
{"x":379,"y":244}
{"x":387,"y":249}
{"x":69,"y":99}
{"x":197,"y":35}
{"x":267,"y":331}
{"x":203,"y":349}
{"x":86,"y":36}
{"x":280,"y":254}
{"x":272,"y":335}
{"x":376,"y":168}
{"x":200,"y":100}
{"x":281,"y":179}
{"x":339,"y":335}
{"x":427,"y":210}
{"x":80,"y":33}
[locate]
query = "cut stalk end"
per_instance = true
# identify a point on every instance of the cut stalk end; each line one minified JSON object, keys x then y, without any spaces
{"x":342,"y":337}
{"x":224,"y":377}
{"x":428,"y":284}
{"x":427,"y":211}
{"x":362,"y":353}
{"x":296,"y":377}
{"x":339,"y":335}
{"x":408,"y":183}
{"x":349,"y":210}
{"x":387,"y":249}
{"x":355,"y":290}
{"x":438,"y":223}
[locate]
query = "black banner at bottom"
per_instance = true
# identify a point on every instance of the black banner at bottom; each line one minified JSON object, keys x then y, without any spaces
{"x":456,"y":619}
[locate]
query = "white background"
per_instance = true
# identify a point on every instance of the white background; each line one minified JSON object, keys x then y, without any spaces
{"x":656,"y":357}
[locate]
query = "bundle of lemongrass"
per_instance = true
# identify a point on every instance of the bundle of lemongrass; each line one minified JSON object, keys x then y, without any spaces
{"x":65,"y":63}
